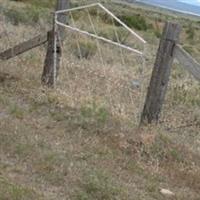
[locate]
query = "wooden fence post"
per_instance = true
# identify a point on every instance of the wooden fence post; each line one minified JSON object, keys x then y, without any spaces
{"x":161,"y":73}
{"x":61,"y":5}
{"x":48,"y":75}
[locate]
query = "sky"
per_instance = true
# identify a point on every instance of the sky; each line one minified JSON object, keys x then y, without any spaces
{"x":194,"y":2}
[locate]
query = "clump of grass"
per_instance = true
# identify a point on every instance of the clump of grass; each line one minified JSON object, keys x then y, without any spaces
{"x":100,"y":186}
{"x":84,"y":49}
{"x":190,"y":31}
{"x":164,"y":149}
{"x":43,"y":3}
{"x":93,"y":111}
{"x":27,"y":15}
{"x":161,"y":149}
{"x":17,"y":111}
{"x":136,"y":21}
{"x":157,"y":33}
{"x":4,"y":100}
{"x":189,"y":49}
{"x":48,"y":167}
{"x":13,"y":191}
{"x":117,"y":34}
{"x":186,"y":95}
{"x":17,"y":146}
{"x":24,"y":150}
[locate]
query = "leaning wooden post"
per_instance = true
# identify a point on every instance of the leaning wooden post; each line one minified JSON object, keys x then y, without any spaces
{"x":55,"y":37}
{"x":161,"y":73}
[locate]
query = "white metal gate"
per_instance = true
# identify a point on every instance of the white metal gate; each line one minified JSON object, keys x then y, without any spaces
{"x":110,"y":70}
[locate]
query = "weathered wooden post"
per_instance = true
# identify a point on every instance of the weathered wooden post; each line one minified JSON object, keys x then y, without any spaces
{"x":161,"y":73}
{"x":62,"y":5}
{"x":50,"y":72}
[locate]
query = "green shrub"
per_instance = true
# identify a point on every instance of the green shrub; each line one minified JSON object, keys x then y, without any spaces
{"x":28,"y":15}
{"x":99,"y":185}
{"x":17,"y":111}
{"x":182,"y":95}
{"x":97,"y":113}
{"x":138,"y":22}
{"x":163,"y":149}
{"x":190,"y":32}
{"x":135,"y":21}
{"x":189,"y":49}
{"x":120,"y":35}
{"x":9,"y":190}
{"x":14,"y":16}
{"x":39,"y":3}
{"x":157,"y":33}
{"x":86,"y":49}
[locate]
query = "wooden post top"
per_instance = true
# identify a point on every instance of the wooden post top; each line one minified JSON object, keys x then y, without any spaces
{"x":171,"y":31}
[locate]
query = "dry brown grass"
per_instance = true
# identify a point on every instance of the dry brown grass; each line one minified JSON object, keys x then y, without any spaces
{"x":81,"y":140}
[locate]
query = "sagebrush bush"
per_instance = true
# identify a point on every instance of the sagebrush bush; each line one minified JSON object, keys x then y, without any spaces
{"x":190,"y":32}
{"x":84,"y":49}
{"x":189,"y":49}
{"x":138,"y":22}
{"x":118,"y":34}
{"x":43,"y":3}
{"x":28,"y":15}
{"x":183,"y":94}
{"x":134,"y":21}
{"x":157,"y":33}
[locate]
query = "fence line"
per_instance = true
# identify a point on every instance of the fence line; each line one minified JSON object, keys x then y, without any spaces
{"x":188,"y":62}
{"x":108,"y":12}
{"x":160,"y":75}
{"x":23,"y":47}
{"x":169,"y":49}
{"x":100,"y":38}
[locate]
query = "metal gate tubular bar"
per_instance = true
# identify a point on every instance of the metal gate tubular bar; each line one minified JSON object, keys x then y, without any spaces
{"x":110,"y":13}
{"x":100,"y":38}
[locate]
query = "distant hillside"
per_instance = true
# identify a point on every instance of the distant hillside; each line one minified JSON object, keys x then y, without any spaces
{"x":172,"y":4}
